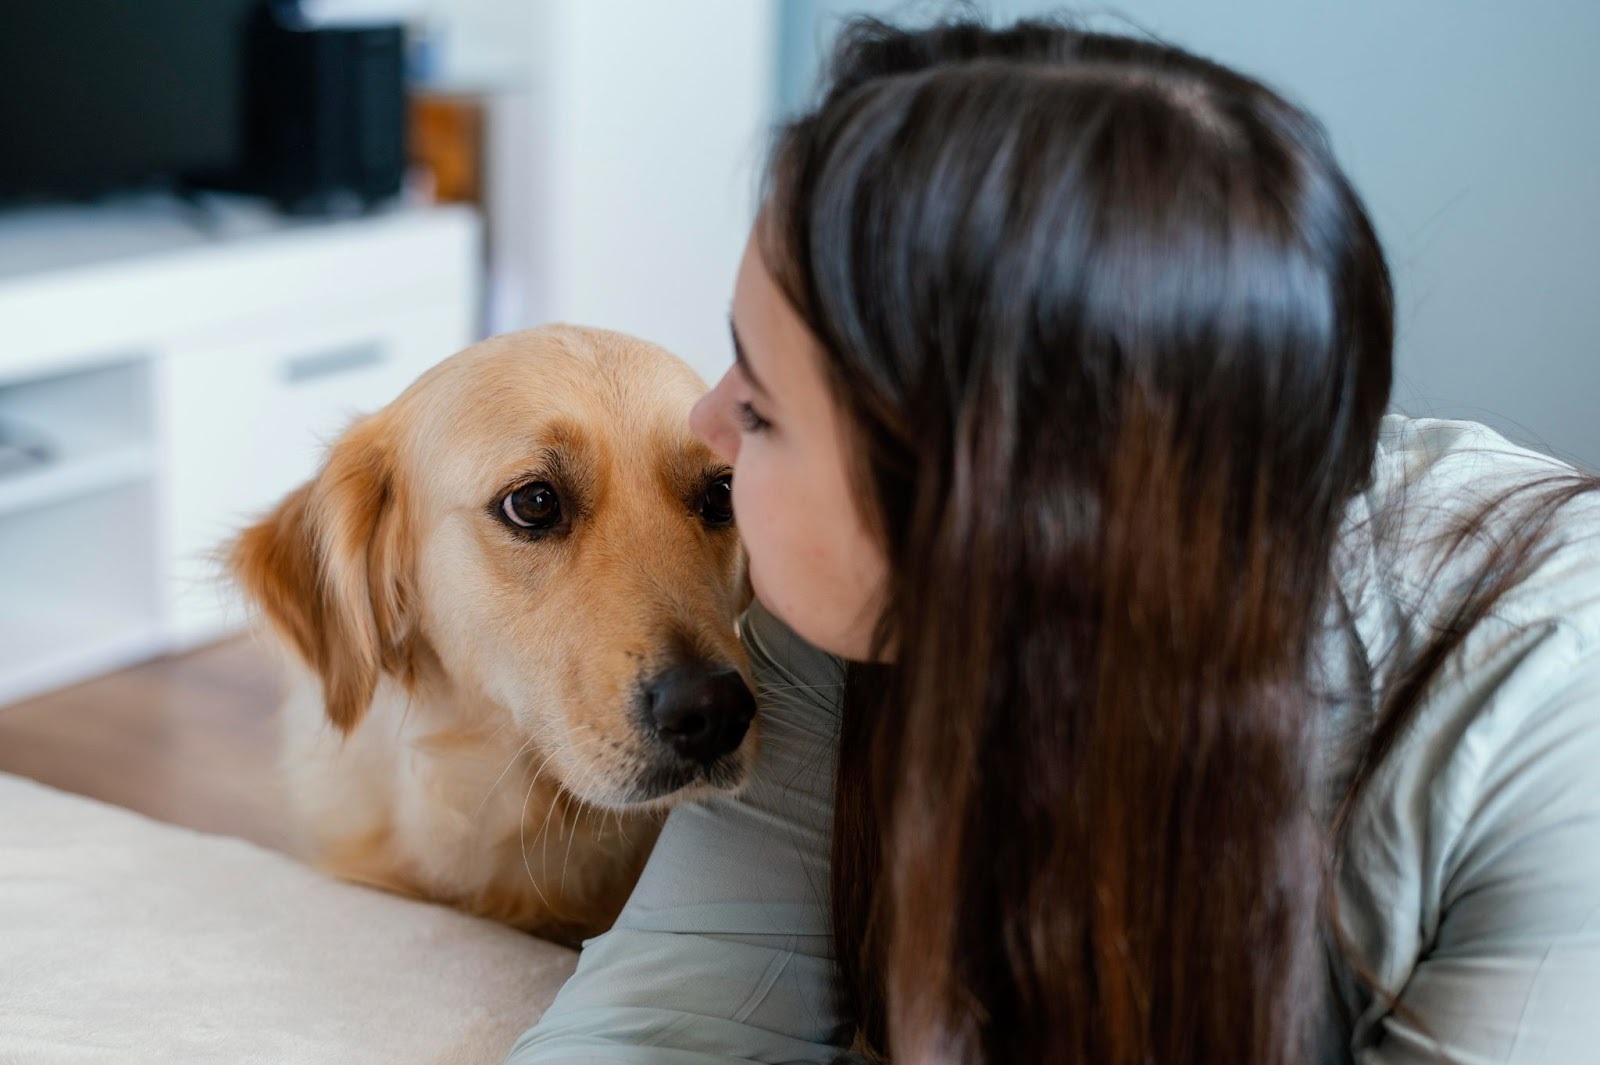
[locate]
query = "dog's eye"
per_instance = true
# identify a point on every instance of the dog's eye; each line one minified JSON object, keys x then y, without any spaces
{"x":716,"y":508}
{"x":533,"y":506}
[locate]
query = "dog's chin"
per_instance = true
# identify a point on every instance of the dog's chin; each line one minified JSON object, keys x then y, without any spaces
{"x":664,"y":784}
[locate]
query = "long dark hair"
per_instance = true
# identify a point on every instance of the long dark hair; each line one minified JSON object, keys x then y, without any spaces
{"x":1113,"y":336}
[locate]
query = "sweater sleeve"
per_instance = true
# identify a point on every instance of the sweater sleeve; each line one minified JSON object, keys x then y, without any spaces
{"x":723,"y":953}
{"x":1508,"y":962}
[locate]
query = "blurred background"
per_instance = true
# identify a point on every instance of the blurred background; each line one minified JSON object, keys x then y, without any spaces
{"x":227,"y":226}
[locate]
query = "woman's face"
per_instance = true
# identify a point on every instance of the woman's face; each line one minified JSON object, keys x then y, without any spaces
{"x":772,"y":417}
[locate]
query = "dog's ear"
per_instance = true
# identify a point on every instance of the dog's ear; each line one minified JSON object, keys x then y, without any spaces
{"x":331,"y":568}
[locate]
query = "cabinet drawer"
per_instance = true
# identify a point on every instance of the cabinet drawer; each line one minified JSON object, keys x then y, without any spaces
{"x":247,"y":422}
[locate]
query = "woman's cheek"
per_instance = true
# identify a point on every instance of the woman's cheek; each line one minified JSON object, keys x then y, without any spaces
{"x":749,"y":510}
{"x":762,"y":501}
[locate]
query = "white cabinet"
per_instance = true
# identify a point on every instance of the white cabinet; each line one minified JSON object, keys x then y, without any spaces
{"x":182,"y":391}
{"x":78,"y":532}
{"x":247,"y":421}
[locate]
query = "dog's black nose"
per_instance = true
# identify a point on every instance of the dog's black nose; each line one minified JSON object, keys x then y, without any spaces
{"x":702,"y":713}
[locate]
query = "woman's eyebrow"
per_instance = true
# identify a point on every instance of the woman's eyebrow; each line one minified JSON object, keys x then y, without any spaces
{"x":744,"y":360}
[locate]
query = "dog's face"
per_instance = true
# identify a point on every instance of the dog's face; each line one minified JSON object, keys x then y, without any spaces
{"x":534,"y":524}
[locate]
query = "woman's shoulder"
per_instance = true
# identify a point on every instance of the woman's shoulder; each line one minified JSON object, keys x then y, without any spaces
{"x":1434,"y":478}
{"x":1478,"y":839}
{"x":1526,"y":672}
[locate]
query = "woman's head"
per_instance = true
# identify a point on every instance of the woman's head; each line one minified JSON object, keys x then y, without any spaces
{"x":1089,"y":341}
{"x":1009,"y":247}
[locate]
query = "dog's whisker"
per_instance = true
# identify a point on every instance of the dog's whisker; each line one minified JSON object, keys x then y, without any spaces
{"x":522,"y":827}
{"x":506,"y":723}
{"x":544,"y":828}
{"x":622,"y":828}
{"x":590,"y":773}
{"x":544,"y":838}
{"x":501,"y":777}
{"x":522,"y":830}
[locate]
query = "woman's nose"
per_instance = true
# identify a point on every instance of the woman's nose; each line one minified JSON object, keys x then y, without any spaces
{"x":711,"y":422}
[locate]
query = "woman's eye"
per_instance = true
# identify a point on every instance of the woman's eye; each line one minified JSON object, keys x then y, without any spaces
{"x":750,"y":419}
{"x":716,"y":506}
{"x":533,"y":506}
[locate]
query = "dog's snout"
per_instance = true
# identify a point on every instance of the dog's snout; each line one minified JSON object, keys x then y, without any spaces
{"x":701,"y":713}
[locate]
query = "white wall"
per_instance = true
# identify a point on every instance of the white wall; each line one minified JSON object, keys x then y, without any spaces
{"x":627,"y":136}
{"x":658,"y":117}
{"x":1470,"y":128}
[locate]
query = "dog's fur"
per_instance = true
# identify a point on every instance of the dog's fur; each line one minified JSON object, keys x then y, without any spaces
{"x":463,"y":720}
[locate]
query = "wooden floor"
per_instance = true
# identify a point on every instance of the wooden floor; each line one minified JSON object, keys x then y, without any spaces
{"x":190,"y":739}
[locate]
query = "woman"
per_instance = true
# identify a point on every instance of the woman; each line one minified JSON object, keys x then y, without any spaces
{"x":1199,"y":712}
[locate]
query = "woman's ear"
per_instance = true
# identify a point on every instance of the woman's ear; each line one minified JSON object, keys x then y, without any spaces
{"x":331,"y":568}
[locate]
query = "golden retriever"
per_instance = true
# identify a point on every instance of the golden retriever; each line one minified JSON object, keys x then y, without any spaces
{"x":510,"y":599}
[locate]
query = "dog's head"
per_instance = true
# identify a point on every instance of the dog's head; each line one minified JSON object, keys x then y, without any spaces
{"x":532,"y":528}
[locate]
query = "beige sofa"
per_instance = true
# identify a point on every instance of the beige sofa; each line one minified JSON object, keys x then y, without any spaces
{"x":126,"y":940}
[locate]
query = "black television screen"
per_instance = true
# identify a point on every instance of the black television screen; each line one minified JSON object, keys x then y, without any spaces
{"x":101,"y":94}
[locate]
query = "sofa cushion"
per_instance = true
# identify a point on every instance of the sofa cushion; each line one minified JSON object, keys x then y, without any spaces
{"x":124,"y":939}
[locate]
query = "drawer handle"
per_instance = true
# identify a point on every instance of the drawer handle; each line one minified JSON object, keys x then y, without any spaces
{"x":319,"y":364}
